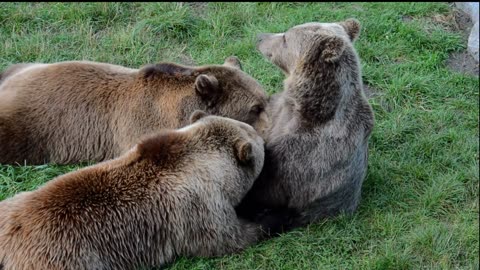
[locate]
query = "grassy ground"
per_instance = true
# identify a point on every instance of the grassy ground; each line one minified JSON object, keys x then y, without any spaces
{"x":420,"y":199}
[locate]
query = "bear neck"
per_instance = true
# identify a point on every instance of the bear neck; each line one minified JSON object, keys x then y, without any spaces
{"x":322,"y":88}
{"x":315,"y":91}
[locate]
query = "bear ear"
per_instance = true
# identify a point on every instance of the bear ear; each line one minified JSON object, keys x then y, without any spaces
{"x":331,"y":48}
{"x":208,"y":88}
{"x":197,"y":115}
{"x":234,"y":62}
{"x":243,"y":151}
{"x":352,"y":27}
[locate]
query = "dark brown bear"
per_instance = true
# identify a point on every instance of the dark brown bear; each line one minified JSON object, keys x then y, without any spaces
{"x":70,"y":112}
{"x":171,"y":195}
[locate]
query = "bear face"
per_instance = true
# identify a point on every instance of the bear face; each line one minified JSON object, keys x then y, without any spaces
{"x":172,"y":194}
{"x":228,"y":142}
{"x":243,"y":146}
{"x":248,"y":108}
{"x":88,"y":111}
{"x":223,"y":90}
{"x":327,"y":40}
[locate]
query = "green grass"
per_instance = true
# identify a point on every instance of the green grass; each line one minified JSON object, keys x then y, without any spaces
{"x":420,"y":200}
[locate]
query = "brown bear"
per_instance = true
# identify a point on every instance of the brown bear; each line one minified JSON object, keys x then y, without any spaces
{"x":70,"y":112}
{"x":173,"y":194}
{"x":317,"y":146}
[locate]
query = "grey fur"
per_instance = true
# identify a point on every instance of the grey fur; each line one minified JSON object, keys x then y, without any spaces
{"x":317,"y":146}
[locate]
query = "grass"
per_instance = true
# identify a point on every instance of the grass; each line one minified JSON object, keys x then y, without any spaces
{"x":420,"y":199}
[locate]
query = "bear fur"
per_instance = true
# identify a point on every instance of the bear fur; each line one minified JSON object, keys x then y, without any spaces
{"x":317,"y":146}
{"x":173,"y":194}
{"x":71,"y":112}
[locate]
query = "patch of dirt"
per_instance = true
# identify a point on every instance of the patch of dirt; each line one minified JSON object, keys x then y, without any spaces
{"x":357,"y":8}
{"x":370,"y":91}
{"x":463,"y":62}
{"x":177,"y":54}
{"x":186,"y":60}
{"x":407,"y":18}
{"x":198,"y":7}
{"x":455,"y":21}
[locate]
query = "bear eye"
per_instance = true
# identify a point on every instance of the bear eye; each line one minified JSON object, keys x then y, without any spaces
{"x":256,"y":109}
{"x":284,"y":41}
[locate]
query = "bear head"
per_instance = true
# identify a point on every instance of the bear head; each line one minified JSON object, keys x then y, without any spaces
{"x":305,"y":44}
{"x":228,"y":152}
{"x":223,"y":90}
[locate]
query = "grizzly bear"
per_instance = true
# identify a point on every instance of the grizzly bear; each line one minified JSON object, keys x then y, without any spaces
{"x":317,"y":146}
{"x":71,"y":112}
{"x":173,"y":194}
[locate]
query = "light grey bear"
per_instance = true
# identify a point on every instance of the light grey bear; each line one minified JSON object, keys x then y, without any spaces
{"x":317,"y":145}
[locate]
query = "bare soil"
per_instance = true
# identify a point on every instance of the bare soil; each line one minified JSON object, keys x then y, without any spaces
{"x":454,"y":21}
{"x":462,"y":62}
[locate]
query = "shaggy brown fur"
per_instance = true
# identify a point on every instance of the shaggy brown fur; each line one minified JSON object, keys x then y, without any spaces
{"x":317,"y":147}
{"x":171,"y":195}
{"x":70,"y":112}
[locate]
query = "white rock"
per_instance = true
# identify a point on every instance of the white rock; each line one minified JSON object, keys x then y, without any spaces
{"x":473,"y":42}
{"x":472,"y":9}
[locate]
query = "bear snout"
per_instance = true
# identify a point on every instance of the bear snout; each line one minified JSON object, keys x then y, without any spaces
{"x":265,"y":44}
{"x":261,"y":37}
